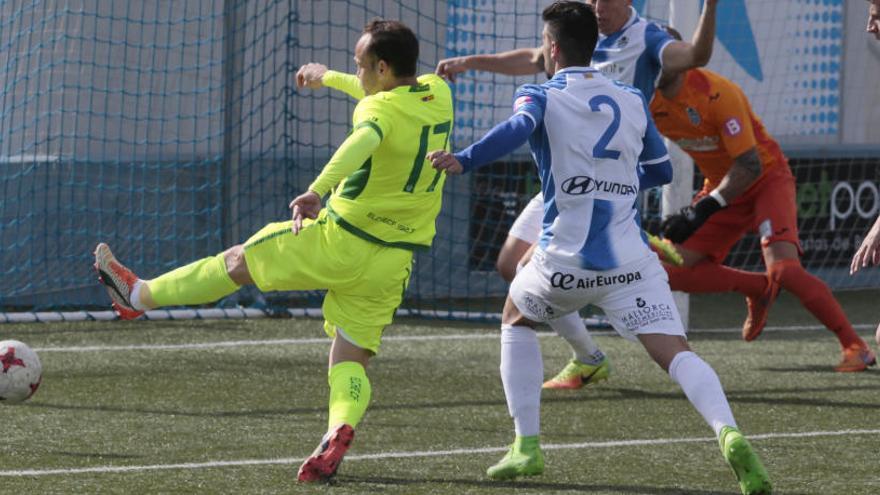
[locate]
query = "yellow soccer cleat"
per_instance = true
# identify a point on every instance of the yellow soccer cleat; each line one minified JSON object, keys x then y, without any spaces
{"x":665,"y":249}
{"x":746,"y":465}
{"x":523,"y":459}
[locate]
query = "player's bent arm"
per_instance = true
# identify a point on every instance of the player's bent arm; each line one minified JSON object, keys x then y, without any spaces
{"x":743,"y":173}
{"x":519,"y":62}
{"x":654,"y":167}
{"x":501,"y":140}
{"x":351,"y":155}
{"x":654,"y":174}
{"x":309,"y":76}
{"x":745,"y":170}
{"x":680,"y":56}
{"x":347,"y":83}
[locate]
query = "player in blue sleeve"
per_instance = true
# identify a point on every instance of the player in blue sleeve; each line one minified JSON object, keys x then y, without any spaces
{"x":631,"y":50}
{"x":654,"y":168}
{"x":588,"y":136}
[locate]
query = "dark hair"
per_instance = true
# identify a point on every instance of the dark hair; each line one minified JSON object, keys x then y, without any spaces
{"x":394,"y":43}
{"x":572,"y":25}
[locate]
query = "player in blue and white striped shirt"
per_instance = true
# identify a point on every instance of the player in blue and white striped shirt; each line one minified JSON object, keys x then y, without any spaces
{"x":631,"y":50}
{"x":590,"y":220}
{"x":588,"y":136}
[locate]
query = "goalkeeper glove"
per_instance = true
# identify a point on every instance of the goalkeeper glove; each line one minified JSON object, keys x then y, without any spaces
{"x":679,"y":227}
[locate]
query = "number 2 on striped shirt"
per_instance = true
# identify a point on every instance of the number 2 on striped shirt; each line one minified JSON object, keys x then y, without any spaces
{"x":601,"y":150}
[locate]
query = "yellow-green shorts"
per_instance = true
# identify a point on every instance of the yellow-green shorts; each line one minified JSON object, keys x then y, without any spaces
{"x":365,"y":281}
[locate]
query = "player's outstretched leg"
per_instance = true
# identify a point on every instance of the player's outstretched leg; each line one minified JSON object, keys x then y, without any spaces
{"x":589,"y":364}
{"x":746,"y":465}
{"x":118,"y":280}
{"x":202,"y":281}
{"x":707,"y":276}
{"x":701,"y":385}
{"x":818,"y":299}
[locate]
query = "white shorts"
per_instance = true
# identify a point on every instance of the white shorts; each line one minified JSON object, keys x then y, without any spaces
{"x":527,"y":226}
{"x":636,"y":298}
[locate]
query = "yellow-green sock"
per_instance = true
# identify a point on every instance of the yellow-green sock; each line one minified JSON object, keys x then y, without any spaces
{"x":350,"y":393}
{"x":199,"y":282}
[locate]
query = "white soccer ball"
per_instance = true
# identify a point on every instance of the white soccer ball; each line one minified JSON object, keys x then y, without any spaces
{"x":20,"y":372}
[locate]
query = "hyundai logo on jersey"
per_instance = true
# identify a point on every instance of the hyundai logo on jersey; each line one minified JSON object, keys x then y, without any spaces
{"x":580,"y":184}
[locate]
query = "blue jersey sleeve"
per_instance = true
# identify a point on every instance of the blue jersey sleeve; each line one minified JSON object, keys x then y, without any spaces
{"x":654,"y":175}
{"x":501,"y":140}
{"x":530,"y":100}
{"x":656,"y":39}
{"x":529,"y":103}
{"x":655,"y":168}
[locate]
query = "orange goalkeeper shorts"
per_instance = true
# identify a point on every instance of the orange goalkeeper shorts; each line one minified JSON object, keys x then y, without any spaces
{"x":768,"y":207}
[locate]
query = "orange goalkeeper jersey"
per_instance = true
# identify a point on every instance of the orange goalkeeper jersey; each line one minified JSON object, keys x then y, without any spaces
{"x":712,"y":121}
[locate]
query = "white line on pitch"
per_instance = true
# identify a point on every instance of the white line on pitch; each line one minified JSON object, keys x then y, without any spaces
{"x":425,"y":453}
{"x":398,"y":338}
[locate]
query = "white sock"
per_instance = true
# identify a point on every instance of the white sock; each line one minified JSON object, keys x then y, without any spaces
{"x":135,"y":296}
{"x":522,"y":373}
{"x":571,"y":328}
{"x":702,"y":387}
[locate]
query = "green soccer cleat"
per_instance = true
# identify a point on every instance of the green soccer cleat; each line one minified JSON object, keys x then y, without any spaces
{"x":752,"y":477}
{"x":577,"y":374}
{"x":523,"y":459}
{"x":665,"y":250}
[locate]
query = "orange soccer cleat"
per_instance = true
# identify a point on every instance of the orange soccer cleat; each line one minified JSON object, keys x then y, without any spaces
{"x":856,"y":358}
{"x":576,"y":374}
{"x":118,"y":280}
{"x":759,"y":308}
{"x":324,"y":462}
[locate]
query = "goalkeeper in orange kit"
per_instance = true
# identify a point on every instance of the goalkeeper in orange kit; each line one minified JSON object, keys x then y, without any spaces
{"x":748,"y":187}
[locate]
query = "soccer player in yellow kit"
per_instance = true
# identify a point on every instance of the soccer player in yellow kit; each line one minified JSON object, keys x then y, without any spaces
{"x":384,"y":202}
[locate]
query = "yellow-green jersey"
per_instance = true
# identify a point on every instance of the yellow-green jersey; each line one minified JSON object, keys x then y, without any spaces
{"x":393,"y":198}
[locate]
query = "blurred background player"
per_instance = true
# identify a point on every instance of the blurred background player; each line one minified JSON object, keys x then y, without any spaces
{"x":633,"y":51}
{"x":748,"y":187}
{"x":359,"y":248}
{"x":581,"y":125}
{"x":868,"y":254}
{"x":869,"y":251}
{"x":874,"y":18}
